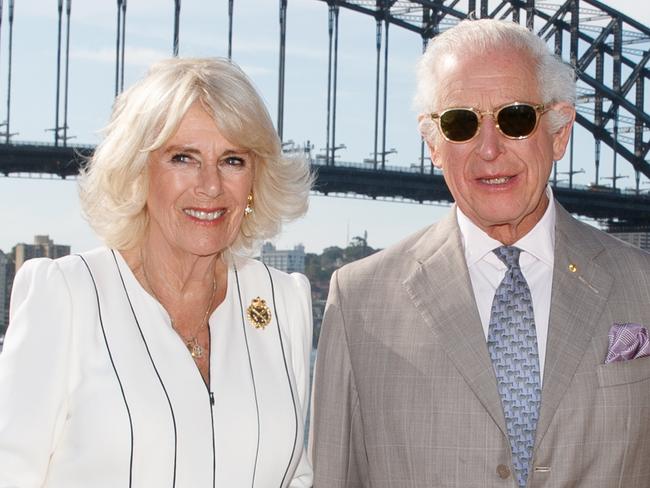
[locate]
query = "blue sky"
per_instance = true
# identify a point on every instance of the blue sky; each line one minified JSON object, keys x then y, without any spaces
{"x":50,"y":206}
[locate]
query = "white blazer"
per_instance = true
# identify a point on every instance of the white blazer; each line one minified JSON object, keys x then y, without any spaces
{"x":98,"y":390}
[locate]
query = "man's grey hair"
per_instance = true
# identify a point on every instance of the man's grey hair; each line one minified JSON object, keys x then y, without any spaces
{"x":555,"y":78}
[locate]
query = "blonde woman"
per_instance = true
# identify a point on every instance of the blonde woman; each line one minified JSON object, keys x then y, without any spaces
{"x":166,"y":359}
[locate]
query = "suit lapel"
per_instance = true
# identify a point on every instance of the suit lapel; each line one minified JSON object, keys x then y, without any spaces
{"x":579,"y":293}
{"x":441,"y":292}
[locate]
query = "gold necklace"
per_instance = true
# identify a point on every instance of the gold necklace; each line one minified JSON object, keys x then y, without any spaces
{"x":192,"y":344}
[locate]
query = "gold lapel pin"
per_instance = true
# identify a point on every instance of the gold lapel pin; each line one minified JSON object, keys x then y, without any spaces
{"x":258,"y":313}
{"x":574,"y":269}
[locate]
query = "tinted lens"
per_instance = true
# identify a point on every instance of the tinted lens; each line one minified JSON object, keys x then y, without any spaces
{"x":459,"y":124}
{"x":517,"y":120}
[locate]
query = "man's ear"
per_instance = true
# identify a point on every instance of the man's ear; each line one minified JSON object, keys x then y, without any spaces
{"x":432,"y":153}
{"x":426,"y":131}
{"x":561,"y":137}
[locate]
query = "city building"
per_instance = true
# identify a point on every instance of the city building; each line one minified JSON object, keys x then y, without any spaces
{"x":6,"y":279}
{"x":638,"y":236}
{"x":289,"y":261}
{"x":638,"y":239}
{"x":43,"y":247}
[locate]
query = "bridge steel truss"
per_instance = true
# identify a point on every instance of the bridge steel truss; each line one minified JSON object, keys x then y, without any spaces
{"x":609,"y":50}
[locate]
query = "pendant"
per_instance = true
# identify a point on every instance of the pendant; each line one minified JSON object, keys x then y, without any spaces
{"x":195,"y":348}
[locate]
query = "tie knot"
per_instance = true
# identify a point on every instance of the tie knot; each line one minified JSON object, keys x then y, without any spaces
{"x":509,"y":255}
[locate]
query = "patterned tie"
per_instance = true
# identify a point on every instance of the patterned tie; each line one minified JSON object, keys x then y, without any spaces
{"x":512,"y":342}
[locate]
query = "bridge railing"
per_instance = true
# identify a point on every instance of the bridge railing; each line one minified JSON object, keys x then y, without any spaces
{"x":317,"y":163}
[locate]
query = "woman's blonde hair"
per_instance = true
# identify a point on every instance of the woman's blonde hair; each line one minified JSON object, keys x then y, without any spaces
{"x":113,"y":186}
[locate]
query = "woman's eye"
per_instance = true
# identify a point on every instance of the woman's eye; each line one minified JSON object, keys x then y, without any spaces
{"x":234,"y":161}
{"x":182,"y":158}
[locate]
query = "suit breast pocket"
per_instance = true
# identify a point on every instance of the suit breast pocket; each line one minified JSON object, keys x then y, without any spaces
{"x":623,"y":372}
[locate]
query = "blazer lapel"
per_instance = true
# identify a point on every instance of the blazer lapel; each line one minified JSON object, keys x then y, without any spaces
{"x":579,"y":294}
{"x":441,"y":292}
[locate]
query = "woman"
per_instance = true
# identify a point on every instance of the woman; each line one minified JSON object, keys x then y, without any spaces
{"x":165,"y":359}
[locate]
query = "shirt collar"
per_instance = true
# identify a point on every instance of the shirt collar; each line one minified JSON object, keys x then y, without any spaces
{"x":539,"y":242}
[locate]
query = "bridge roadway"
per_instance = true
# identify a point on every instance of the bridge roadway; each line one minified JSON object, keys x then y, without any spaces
{"x":615,"y":207}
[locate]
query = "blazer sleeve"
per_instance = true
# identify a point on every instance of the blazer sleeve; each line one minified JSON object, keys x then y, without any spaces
{"x":301,"y":357}
{"x":337,"y":442}
{"x":34,"y":367}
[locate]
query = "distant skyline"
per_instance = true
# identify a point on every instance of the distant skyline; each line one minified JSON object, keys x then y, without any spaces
{"x":50,"y":206}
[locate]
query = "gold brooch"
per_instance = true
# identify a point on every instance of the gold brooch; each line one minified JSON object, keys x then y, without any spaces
{"x":258,"y":313}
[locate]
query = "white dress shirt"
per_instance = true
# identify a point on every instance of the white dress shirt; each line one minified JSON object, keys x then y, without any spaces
{"x":486,"y":270}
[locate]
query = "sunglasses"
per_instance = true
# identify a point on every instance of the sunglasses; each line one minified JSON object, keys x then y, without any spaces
{"x":514,"y":120}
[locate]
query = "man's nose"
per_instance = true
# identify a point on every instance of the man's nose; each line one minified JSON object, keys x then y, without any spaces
{"x":489,"y":140}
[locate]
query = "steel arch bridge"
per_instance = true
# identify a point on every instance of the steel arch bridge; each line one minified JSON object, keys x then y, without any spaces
{"x":595,"y":38}
{"x":609,"y":50}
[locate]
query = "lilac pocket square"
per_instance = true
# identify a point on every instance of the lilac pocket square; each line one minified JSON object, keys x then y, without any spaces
{"x":627,"y":342}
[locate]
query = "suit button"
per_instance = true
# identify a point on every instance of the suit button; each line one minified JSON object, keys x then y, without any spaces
{"x":503,"y":471}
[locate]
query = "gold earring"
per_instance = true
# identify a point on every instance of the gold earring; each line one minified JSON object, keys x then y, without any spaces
{"x":249,"y":205}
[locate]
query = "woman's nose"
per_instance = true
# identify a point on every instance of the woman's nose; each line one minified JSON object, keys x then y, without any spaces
{"x":209,"y":183}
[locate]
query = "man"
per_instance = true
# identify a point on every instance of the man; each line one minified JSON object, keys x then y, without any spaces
{"x":476,"y":353}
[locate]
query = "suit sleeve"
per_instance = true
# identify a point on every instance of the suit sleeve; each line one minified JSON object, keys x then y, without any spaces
{"x":337,"y":441}
{"x":34,"y":367}
{"x":301,"y":358}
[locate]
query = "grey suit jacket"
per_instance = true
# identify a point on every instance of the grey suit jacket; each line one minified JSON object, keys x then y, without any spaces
{"x":405,"y":393}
